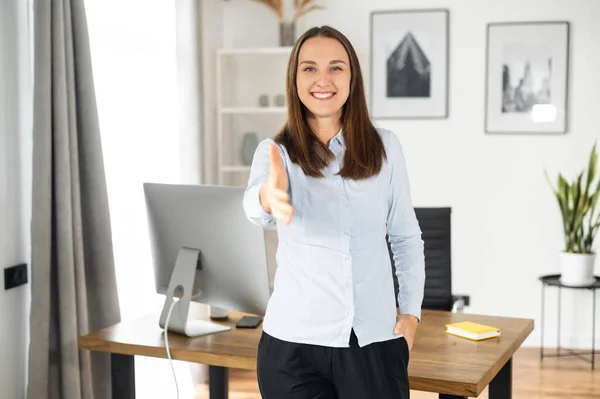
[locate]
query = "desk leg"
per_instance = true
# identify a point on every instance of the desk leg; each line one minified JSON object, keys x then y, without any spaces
{"x":122,"y":373}
{"x":218,"y":382}
{"x":501,"y":385}
{"x":445,"y":396}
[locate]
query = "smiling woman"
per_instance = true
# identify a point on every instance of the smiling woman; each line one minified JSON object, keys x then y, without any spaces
{"x":335,"y":186}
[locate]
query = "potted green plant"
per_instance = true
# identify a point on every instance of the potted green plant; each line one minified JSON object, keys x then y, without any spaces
{"x":580,"y":213}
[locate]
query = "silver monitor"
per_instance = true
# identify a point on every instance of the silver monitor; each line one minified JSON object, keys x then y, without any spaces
{"x":204,"y":249}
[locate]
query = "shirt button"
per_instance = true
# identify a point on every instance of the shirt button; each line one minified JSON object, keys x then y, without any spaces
{"x":346,"y":206}
{"x":346,"y":234}
{"x":348,"y":285}
{"x":339,"y":182}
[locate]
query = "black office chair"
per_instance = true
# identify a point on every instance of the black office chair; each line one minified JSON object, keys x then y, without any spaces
{"x":435,"y":226}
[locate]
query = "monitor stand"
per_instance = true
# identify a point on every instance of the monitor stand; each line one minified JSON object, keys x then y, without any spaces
{"x":182,"y":282}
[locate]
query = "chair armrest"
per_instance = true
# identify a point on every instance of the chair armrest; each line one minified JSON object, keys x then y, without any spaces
{"x":459,"y":302}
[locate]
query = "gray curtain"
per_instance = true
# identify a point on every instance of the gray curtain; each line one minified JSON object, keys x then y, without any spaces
{"x":73,"y":285}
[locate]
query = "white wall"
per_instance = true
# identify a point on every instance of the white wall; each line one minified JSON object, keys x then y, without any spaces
{"x":15,"y":191}
{"x":505,"y":224}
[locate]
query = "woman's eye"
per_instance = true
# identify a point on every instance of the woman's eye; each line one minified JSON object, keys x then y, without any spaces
{"x":311,"y":69}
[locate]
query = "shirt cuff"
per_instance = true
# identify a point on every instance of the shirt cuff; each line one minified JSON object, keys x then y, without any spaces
{"x":254,"y":210}
{"x":406,"y":308}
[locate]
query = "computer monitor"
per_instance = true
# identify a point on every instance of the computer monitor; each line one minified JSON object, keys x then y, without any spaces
{"x":204,"y":249}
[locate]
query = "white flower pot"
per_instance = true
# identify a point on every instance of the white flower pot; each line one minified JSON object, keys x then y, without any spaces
{"x":577,"y":270}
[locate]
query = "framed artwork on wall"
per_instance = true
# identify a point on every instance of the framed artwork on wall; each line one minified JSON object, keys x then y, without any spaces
{"x":527,"y":77}
{"x":409,"y":64}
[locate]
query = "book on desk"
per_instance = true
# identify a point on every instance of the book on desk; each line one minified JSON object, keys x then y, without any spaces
{"x":472,"y":331}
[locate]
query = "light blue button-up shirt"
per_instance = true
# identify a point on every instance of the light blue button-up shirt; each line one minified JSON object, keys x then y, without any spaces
{"x":333,"y":266}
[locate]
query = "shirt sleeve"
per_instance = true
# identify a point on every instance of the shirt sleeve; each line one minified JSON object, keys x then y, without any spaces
{"x":404,"y":233}
{"x":259,"y":172}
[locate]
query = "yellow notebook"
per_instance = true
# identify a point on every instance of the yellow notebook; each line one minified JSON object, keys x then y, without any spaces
{"x":472,"y":331}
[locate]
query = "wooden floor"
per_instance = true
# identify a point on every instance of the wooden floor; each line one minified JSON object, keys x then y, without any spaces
{"x":564,"y":378}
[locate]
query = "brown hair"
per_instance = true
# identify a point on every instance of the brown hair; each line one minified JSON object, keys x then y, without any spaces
{"x":364,"y":147}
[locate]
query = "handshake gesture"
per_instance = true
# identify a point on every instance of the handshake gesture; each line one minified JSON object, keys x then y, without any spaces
{"x":274,"y":197}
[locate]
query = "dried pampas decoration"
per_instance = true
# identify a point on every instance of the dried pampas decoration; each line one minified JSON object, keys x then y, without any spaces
{"x":301,"y":7}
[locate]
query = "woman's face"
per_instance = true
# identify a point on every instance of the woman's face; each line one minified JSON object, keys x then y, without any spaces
{"x":323,"y":76}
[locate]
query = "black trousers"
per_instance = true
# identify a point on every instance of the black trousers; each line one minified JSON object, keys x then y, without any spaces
{"x":289,"y":370}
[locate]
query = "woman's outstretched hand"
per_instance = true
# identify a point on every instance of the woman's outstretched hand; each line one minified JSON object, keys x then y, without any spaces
{"x":274,"y":197}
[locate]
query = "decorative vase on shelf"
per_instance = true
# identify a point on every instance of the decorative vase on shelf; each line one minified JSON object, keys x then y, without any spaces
{"x":263,"y":100}
{"x":287,"y":25}
{"x":249,"y":144}
{"x":287,"y":33}
{"x":280,"y":100}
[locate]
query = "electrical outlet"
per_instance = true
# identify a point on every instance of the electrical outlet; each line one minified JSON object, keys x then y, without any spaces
{"x":15,"y":276}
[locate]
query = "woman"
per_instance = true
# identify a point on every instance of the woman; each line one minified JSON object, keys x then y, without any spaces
{"x":335,"y":185}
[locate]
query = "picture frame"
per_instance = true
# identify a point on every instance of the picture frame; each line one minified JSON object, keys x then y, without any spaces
{"x":409,"y":63}
{"x":527,"y":77}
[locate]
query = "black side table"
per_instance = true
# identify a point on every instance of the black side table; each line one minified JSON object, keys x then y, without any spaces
{"x":554,"y":280}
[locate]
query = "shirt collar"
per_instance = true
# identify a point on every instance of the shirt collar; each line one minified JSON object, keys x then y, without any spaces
{"x":339,"y":138}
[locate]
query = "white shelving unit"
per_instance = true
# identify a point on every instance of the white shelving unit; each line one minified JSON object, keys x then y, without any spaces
{"x":243,"y":76}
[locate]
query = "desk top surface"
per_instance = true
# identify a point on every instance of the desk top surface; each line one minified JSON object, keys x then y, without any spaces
{"x":439,"y":362}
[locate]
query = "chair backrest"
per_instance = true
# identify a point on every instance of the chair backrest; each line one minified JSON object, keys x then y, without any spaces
{"x":435,"y":226}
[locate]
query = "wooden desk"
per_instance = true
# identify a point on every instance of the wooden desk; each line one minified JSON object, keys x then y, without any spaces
{"x":451,"y":366}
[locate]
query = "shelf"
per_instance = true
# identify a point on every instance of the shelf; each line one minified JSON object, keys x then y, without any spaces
{"x":236,"y":169}
{"x":244,"y":76}
{"x":253,"y":110}
{"x":257,"y":50}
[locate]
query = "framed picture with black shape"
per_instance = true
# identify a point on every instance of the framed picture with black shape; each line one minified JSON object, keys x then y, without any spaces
{"x":409,"y":64}
{"x":527,"y":77}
